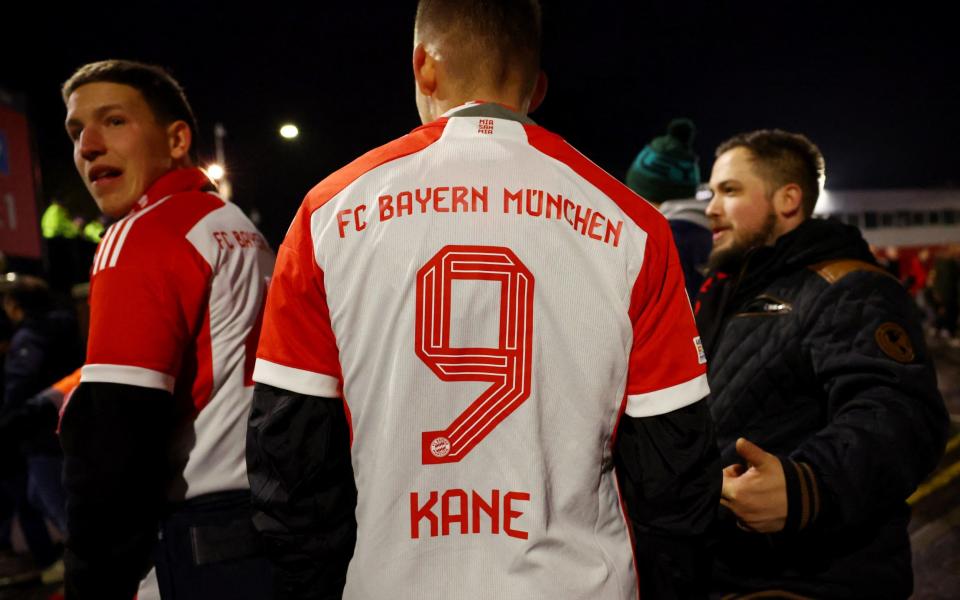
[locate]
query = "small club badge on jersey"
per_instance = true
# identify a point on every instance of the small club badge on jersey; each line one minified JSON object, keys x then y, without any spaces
{"x":440,"y":447}
{"x":701,"y":355}
{"x":895,"y":342}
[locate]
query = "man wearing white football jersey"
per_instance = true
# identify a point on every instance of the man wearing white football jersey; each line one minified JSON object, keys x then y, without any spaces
{"x":479,"y":375}
{"x":153,"y":437}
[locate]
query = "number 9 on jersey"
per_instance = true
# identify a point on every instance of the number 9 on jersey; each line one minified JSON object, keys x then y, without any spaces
{"x":506,"y":366}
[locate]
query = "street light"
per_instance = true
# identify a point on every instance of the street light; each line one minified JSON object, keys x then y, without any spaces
{"x":226,"y":191}
{"x":289,"y":131}
{"x":215,"y":171}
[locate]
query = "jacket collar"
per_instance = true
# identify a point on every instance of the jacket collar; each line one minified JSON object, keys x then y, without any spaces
{"x":191,"y":179}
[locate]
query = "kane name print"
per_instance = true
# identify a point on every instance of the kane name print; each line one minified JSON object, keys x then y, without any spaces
{"x":459,"y":512}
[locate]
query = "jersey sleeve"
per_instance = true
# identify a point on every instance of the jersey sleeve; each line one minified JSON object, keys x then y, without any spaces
{"x":302,"y":490}
{"x":145,"y":313}
{"x":667,"y":367}
{"x":297,"y":350}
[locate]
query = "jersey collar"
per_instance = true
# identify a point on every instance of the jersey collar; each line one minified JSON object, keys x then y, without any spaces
{"x":177,"y":181}
{"x":479,"y":108}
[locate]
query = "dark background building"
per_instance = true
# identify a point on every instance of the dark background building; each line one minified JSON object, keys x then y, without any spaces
{"x":875,"y":86}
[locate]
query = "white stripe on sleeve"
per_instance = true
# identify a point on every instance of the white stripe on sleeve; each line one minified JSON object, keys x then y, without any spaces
{"x":668,"y":399}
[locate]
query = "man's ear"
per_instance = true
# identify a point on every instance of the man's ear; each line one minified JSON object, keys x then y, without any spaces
{"x":424,"y":70}
{"x":788,"y":200}
{"x":539,"y":92}
{"x":180,"y":139}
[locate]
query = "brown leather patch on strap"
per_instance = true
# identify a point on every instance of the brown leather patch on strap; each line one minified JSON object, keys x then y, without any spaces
{"x":895,"y":343}
{"x":835,"y":270}
{"x":814,"y":488}
{"x":804,"y":497}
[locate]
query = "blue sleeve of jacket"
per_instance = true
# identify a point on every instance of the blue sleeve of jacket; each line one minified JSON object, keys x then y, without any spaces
{"x":24,"y":367}
{"x":887,"y":423}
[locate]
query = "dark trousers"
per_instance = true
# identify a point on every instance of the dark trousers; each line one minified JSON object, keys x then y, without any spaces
{"x":208,"y":550}
{"x":45,"y":488}
{"x":14,"y":487}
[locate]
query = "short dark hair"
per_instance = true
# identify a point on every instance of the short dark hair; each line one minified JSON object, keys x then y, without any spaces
{"x":31,"y":294}
{"x":782,"y":157}
{"x":160,"y":90}
{"x":507,"y":32}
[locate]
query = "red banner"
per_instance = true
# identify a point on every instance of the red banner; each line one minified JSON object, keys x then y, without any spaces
{"x":19,"y":227}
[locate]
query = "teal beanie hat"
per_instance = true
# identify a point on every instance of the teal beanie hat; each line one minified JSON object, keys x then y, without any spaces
{"x":667,"y":168}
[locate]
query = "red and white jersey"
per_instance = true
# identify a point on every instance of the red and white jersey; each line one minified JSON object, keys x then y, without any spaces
{"x":488,"y":303}
{"x":176,"y":296}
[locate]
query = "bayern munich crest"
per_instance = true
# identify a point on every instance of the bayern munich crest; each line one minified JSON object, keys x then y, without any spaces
{"x":440,"y":447}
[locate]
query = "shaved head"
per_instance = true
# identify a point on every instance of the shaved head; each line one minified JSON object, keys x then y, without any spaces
{"x":483,"y":43}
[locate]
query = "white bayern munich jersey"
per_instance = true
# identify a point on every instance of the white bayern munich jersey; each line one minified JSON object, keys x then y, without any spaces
{"x":488,"y":303}
{"x":176,"y":297}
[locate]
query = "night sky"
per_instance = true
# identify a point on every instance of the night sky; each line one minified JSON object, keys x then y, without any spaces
{"x":878,"y":89}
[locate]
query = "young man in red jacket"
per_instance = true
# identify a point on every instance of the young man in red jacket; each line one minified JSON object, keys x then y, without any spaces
{"x":154,"y":436}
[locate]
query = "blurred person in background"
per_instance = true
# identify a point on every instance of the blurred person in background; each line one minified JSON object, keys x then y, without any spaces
{"x":943,"y":281}
{"x":69,"y":249}
{"x":45,"y":346}
{"x":666,"y":173}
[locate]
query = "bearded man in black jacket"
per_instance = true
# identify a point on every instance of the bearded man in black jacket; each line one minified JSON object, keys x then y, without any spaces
{"x":823,"y":393}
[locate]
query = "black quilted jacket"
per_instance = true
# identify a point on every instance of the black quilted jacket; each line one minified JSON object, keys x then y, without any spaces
{"x":818,"y":357}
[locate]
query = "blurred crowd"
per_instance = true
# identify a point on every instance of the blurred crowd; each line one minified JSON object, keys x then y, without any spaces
{"x":42,"y":349}
{"x":932,"y":276}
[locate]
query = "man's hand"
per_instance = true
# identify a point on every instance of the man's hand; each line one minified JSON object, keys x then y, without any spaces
{"x":757,"y":495}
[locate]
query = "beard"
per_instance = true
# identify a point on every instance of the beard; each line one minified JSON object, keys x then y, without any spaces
{"x":731,"y":257}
